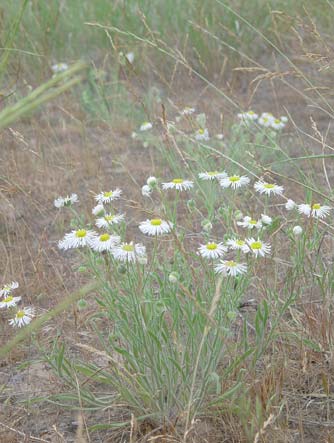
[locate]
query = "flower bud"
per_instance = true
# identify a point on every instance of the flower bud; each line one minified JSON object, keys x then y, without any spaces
{"x":173,"y":277}
{"x":206,"y":225}
{"x":146,"y":191}
{"x":151,"y":182}
{"x":289,"y":205}
{"x":266,"y":219}
{"x":297,"y":230}
{"x":142,"y":259}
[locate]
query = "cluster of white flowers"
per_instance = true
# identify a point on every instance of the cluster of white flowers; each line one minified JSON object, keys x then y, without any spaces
{"x":214,"y":251}
{"x":188,"y":110}
{"x":57,"y":68}
{"x":266,"y":119}
{"x":22,"y":316}
{"x":130,"y":252}
{"x":151,"y":184}
{"x":248,"y":222}
{"x":315,"y":210}
{"x":69,"y":200}
{"x":108,"y":241}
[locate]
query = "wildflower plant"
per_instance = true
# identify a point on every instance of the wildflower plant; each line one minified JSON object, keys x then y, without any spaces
{"x":172,"y":281}
{"x":18,"y":317}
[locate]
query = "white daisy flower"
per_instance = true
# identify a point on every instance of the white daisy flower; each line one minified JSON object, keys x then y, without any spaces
{"x":7,"y":289}
{"x":202,"y":134}
{"x":59,"y":67}
{"x":146,"y":190}
{"x":268,"y":188}
{"x":128,"y":252}
{"x":284,"y":119}
{"x":98,"y":210}
{"x":290,"y":205}
{"x":316,"y":210}
{"x":277,"y":124}
{"x":247,"y":116}
{"x":266,"y":219}
{"x":107,"y":197}
{"x":77,"y":239}
{"x":305,"y":209}
{"x":237,"y":244}
{"x":179,"y":184}
{"x":187,"y":111}
{"x":250,"y":223}
{"x":22,"y":317}
{"x":234,"y":181}
{"x":212,"y":175}
{"x":319,"y":211}
{"x":104,"y":242}
{"x":9,"y":301}
{"x":155,"y":226}
{"x":266,"y":119}
{"x":231,"y":268}
{"x":212,"y":250}
{"x":145,"y":126}
{"x":109,"y":219}
{"x":258,"y":247}
{"x":60,"y":202}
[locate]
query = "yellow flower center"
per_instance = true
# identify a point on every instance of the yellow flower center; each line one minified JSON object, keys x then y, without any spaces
{"x":252,"y":222}
{"x":81,"y":233}
{"x":177,"y":181}
{"x":201,"y":131}
{"x":268,"y":186}
{"x":156,"y":222}
{"x":109,"y":218}
{"x":211,"y":246}
{"x":107,"y":194}
{"x":234,"y":178}
{"x":256,"y":245}
{"x":277,"y":121}
{"x":316,"y":206}
{"x":265,"y":119}
{"x":104,"y":237}
{"x":20,"y":314}
{"x":231,"y":264}
{"x":128,"y":248}
{"x":8,"y":299}
{"x":240,"y":242}
{"x":251,"y":112}
{"x":213,"y":173}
